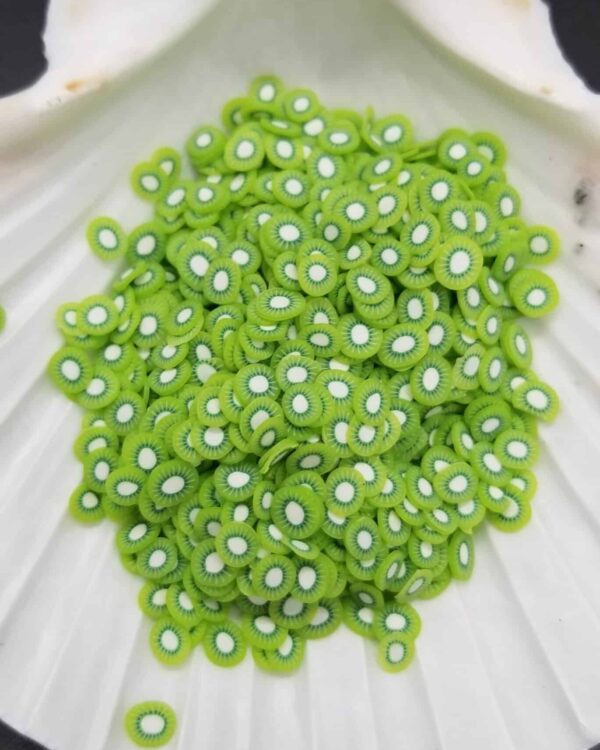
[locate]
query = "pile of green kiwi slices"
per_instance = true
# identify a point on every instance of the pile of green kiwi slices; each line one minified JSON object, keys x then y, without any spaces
{"x":309,"y":384}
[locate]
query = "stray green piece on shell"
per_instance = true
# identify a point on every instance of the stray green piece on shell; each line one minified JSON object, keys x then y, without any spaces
{"x":310,"y":385}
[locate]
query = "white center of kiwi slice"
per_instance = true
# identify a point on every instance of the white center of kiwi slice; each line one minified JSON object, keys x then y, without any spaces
{"x":148,"y":325}
{"x":213,"y":563}
{"x":458,"y":484}
{"x":124,"y":413}
{"x":237,"y":545}
{"x":101,"y":470}
{"x":274,"y":578}
{"x":292,"y":607}
{"x":517,"y":449}
{"x":460,"y":262}
{"x":320,"y":617}
{"x":214,"y":437}
{"x":364,"y":539}
{"x":492,"y":463}
{"x":463,"y":553}
{"x":71,"y":370}
{"x":89,"y":500}
{"x":264,"y":625}
{"x":96,"y":387}
{"x":294,"y":513}
{"x":395,"y":621}
{"x":224,"y":642}
{"x":389,"y":256}
{"x":307,"y":577}
{"x":317,"y":272}
{"x":431,"y":379}
{"x":157,"y":559}
{"x":365,"y":614}
{"x":147,"y":459}
{"x":279,"y":302}
{"x":238,"y":479}
{"x":440,"y":190}
{"x":367,"y":434}
{"x":138,"y":532}
{"x":286,"y":647}
{"x":466,"y":508}
{"x":172,"y":485}
{"x":300,"y":404}
{"x":97,"y":315}
{"x":403,"y":344}
{"x":490,"y":424}
{"x":152,"y":724}
{"x":345,"y":492}
{"x":395,"y":652}
{"x":394,"y":523}
{"x":366,"y":284}
{"x":198,"y":265}
{"x":297,"y":374}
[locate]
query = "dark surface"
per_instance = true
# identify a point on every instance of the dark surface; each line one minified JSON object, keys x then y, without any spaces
{"x":10,"y":740}
{"x":22,"y":59}
{"x":576,"y":25}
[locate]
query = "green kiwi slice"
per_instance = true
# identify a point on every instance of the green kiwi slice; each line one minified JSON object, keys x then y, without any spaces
{"x":85,"y":505}
{"x":150,"y":724}
{"x":344,"y":493}
{"x":224,"y":644}
{"x":458,"y":263}
{"x":208,"y":567}
{"x":157,"y":559}
{"x":361,"y":538}
{"x":237,"y":544}
{"x":431,"y":380}
{"x":296,"y":511}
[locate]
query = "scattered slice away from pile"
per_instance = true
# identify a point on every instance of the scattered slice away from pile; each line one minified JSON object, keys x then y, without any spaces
{"x":310,"y":385}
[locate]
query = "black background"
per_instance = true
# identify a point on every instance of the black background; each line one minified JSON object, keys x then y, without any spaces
{"x":576,"y":26}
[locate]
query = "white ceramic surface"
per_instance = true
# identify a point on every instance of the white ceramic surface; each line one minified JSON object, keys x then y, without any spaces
{"x":509,"y":660}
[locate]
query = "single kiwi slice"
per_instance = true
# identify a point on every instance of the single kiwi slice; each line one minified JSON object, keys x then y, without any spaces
{"x":288,"y":656}
{"x":237,"y":544}
{"x":395,"y":618}
{"x":150,"y":724}
{"x":152,"y":599}
{"x":458,"y":263}
{"x":456,"y":483}
{"x":85,"y":505}
{"x":441,"y":333}
{"x":314,"y":578}
{"x":461,"y":555}
{"x":135,"y":536}
{"x":290,"y":613}
{"x":262,"y":632}
{"x":395,"y":652}
{"x":273,"y":577}
{"x":537,"y":399}
{"x":325,"y":621}
{"x":224,"y":643}
{"x":172,"y":482}
{"x":516,"y":514}
{"x":170,"y":642}
{"x":517,"y":449}
{"x":296,"y":511}
{"x":431,"y":380}
{"x":157,"y":559}
{"x":208,"y":567}
{"x":361,"y":537}
{"x":403,"y":346}
{"x":358,"y":616}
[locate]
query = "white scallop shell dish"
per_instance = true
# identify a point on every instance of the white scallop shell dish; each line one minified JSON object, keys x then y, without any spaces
{"x":506,"y":661}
